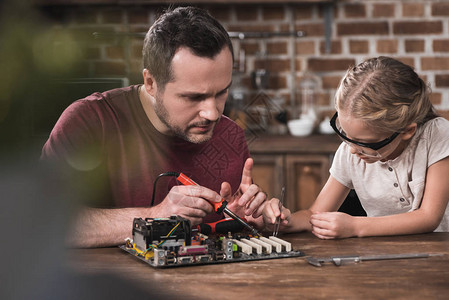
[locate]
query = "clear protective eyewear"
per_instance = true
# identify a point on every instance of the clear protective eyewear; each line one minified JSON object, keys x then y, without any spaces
{"x":356,"y":145}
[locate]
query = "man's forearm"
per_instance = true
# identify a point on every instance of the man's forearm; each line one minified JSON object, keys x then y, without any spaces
{"x":94,"y":227}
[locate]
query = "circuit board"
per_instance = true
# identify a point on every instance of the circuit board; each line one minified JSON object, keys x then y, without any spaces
{"x":170,"y":242}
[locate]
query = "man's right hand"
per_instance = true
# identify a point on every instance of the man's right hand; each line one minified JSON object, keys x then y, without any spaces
{"x":190,"y":202}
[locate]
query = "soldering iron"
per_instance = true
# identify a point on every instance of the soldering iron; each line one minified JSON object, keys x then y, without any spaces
{"x":219,"y":207}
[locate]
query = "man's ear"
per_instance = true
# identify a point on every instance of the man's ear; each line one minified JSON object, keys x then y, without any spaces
{"x":149,"y":83}
{"x":409,"y":131}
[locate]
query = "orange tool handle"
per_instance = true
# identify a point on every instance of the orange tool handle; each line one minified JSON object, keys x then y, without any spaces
{"x":218,"y":206}
{"x":221,"y":226}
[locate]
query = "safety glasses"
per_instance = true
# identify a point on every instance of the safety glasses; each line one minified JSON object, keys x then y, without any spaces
{"x":374,"y":146}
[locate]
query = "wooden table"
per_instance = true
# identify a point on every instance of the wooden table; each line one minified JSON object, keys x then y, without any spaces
{"x":291,"y":278}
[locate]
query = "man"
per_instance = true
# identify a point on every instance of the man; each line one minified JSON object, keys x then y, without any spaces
{"x":116,"y":143}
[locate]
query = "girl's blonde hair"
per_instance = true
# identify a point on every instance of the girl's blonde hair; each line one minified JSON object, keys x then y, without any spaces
{"x":387,"y":94}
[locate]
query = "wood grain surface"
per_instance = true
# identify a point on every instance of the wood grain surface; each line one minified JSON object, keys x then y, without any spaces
{"x":290,"y":278}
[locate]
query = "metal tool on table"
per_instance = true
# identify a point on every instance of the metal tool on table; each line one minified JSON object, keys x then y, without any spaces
{"x":278,"y":219}
{"x":219,"y":207}
{"x":340,"y":260}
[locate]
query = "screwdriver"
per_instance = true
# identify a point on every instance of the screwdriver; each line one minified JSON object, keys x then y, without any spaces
{"x":219,"y":207}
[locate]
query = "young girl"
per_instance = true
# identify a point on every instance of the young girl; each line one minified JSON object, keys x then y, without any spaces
{"x":395,"y":154}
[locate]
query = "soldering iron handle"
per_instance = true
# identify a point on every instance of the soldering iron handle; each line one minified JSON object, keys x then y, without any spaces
{"x":218,"y":206}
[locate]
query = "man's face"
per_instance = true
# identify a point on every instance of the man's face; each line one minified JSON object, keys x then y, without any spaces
{"x":191,"y":104}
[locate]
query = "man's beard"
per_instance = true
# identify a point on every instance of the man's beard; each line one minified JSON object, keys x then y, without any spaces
{"x":163,"y":115}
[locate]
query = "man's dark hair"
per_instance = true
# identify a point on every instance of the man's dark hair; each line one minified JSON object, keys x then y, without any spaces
{"x":189,"y":27}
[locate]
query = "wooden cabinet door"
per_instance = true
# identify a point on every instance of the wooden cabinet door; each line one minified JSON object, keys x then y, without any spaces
{"x":268,"y":173}
{"x":305,"y":177}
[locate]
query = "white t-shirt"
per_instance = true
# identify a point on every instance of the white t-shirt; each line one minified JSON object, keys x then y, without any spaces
{"x":395,"y":186}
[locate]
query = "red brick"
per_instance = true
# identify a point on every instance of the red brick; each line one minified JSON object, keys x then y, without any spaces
{"x":324,"y":65}
{"x":413,"y":9}
{"x":252,"y":27}
{"x":298,"y":64}
{"x":136,"y":51}
{"x":442,"y":80}
{"x":331,"y":82}
{"x":278,"y":65}
{"x":420,"y":27}
{"x":335,"y":47}
{"x":383,"y":10}
{"x":440,"y":9}
{"x":115,"y":52}
{"x":303,"y":12}
{"x":277,"y":82}
{"x":435,"y":98}
{"x":358,"y":47}
{"x":441,"y":45}
{"x":311,"y":29}
{"x":112,"y":16}
{"x":273,"y":12}
{"x":221,"y":13}
{"x":110,"y":68}
{"x":273,"y":65}
{"x":250,"y":48}
{"x":277,"y":48}
{"x":407,"y":60}
{"x":355,"y":10}
{"x":322,"y":10}
{"x":435,"y":63}
{"x":139,"y":29}
{"x":413,"y":46}
{"x":362,"y":28}
{"x":387,"y":46}
{"x":138,"y":16}
{"x":246,"y":13}
{"x":305,"y":47}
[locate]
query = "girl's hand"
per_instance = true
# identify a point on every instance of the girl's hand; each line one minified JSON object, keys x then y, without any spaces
{"x":271,"y":212}
{"x":331,"y":225}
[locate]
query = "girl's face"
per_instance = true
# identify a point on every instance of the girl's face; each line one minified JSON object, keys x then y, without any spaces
{"x":356,"y":130}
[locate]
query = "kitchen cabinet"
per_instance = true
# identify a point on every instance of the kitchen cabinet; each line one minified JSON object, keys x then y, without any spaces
{"x":301,"y":164}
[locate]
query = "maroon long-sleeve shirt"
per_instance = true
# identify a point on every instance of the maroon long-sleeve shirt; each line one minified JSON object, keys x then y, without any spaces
{"x":109,"y":144}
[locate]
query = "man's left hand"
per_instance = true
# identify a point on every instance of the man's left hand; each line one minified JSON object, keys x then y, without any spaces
{"x":249,"y":200}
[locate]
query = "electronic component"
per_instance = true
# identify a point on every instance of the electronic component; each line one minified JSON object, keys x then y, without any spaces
{"x":170,"y":232}
{"x":169,"y":242}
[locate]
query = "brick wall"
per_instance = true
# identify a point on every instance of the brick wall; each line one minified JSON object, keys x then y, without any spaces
{"x":416,"y":32}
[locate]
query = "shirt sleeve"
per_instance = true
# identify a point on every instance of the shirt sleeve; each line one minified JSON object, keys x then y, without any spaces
{"x":76,"y":138}
{"x":438,"y":143}
{"x":340,"y":166}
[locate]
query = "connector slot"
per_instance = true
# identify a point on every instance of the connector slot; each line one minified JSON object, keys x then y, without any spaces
{"x":256,"y":247}
{"x":185,"y":259}
{"x":268,"y":248}
{"x":276,"y":245}
{"x":247,"y":249}
{"x":287,"y":245}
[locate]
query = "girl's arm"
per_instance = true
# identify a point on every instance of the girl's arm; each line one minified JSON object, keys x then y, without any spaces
{"x":424,"y":219}
{"x":330,"y":199}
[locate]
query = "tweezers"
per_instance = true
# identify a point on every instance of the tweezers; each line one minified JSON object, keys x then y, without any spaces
{"x":278,"y":219}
